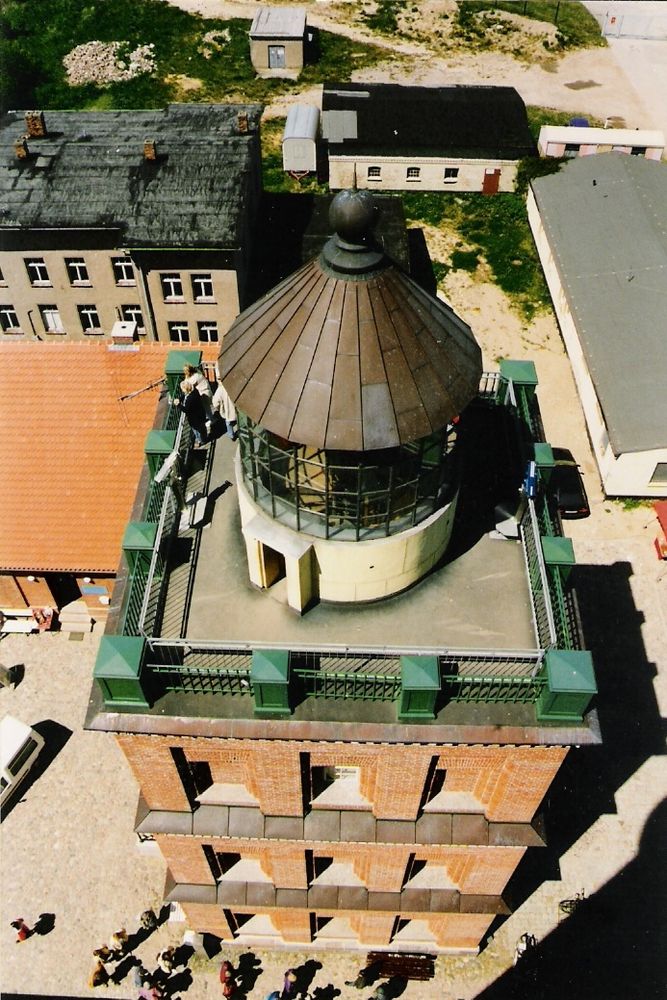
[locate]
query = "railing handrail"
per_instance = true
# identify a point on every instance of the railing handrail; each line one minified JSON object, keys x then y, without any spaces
{"x":166,"y":500}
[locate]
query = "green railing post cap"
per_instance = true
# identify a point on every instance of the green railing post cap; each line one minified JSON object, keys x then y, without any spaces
{"x":269,"y":676}
{"x":570,"y":685}
{"x":139,"y":536}
{"x":543,"y":455}
{"x":420,"y":684}
{"x":176,"y":360}
{"x":118,"y":669}
{"x":519,"y":372}
{"x":557,"y":550}
{"x":160,"y":442}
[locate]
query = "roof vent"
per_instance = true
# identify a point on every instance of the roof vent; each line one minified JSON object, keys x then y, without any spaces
{"x":242,"y":122}
{"x":35,"y":124}
{"x":150,"y":149}
{"x":21,"y":148}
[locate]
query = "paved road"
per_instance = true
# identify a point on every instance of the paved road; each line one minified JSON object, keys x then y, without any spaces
{"x":643,"y":61}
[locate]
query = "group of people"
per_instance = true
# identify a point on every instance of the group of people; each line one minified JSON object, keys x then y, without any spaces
{"x":202,"y":406}
{"x":150,"y":985}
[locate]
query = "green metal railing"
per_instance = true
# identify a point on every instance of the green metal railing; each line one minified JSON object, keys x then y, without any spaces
{"x":357,"y":687}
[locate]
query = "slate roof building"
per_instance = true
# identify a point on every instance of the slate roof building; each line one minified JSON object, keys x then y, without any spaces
{"x":140,"y":216}
{"x":600,"y":227}
{"x":320,"y":767}
{"x":460,"y":138}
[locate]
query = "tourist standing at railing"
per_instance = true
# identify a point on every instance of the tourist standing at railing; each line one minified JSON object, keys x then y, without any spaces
{"x":198,"y":381}
{"x":193,"y":408}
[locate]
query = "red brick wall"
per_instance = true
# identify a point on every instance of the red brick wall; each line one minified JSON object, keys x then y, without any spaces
{"x":509,"y":782}
{"x":460,"y":930}
{"x":294,"y":925}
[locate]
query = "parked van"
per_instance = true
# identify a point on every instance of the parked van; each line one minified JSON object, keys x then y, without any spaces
{"x":19,"y":748}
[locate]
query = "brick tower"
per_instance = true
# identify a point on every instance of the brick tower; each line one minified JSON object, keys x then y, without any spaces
{"x":345,"y":692}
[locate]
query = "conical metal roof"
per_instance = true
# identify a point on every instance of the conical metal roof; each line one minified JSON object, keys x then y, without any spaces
{"x":348,"y":352}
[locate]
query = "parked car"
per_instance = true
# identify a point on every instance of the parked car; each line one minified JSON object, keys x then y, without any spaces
{"x":19,"y":748}
{"x":567,"y":487}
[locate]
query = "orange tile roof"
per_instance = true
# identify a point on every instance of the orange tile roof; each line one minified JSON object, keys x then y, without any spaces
{"x":71,"y":451}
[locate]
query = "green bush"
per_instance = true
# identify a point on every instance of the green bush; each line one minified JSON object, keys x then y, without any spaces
{"x":577,"y":28}
{"x":465,"y":260}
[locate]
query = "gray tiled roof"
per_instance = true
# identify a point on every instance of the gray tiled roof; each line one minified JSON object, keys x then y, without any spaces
{"x":89,"y":171}
{"x":605,"y":217}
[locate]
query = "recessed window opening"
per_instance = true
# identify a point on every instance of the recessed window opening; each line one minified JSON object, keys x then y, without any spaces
{"x":9,"y":320}
{"x":77,"y":271}
{"x":172,"y":287}
{"x":37,"y":271}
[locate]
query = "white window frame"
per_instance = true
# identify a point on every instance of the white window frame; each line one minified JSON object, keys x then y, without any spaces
{"x":132,"y":313}
{"x":413,"y":174}
{"x":172,"y":286}
{"x":123,"y":265}
{"x":204,"y":328}
{"x":178,"y":326}
{"x":38,"y":265}
{"x":202,"y":287}
{"x":7,"y":313}
{"x":77,"y":271}
{"x":89,"y":318}
{"x":451,"y":175}
{"x":51,"y":319}
{"x":374,"y":174}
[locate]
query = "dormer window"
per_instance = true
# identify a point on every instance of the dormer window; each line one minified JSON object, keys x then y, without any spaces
{"x":413,"y":173}
{"x":374,"y":173}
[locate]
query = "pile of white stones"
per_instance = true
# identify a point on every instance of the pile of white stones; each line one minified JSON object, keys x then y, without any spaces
{"x":104,"y":63}
{"x":214,"y":41}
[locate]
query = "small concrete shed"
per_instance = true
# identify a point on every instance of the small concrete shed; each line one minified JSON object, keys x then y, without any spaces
{"x":300,"y":138}
{"x":277,"y":41}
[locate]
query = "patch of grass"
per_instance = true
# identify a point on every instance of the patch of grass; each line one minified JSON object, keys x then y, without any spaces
{"x":539,"y":116}
{"x":465,"y":260}
{"x":577,"y":28}
{"x":496,"y":227}
{"x":274,"y":177}
{"x":35,"y":36}
{"x":384,"y":18}
{"x":440,"y":270}
{"x":633,"y":503}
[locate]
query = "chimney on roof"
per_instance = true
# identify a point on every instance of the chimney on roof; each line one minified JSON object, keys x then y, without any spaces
{"x":35,"y":124}
{"x":242,"y":122}
{"x":21,"y":148}
{"x":150,"y":149}
{"x":123,"y":332}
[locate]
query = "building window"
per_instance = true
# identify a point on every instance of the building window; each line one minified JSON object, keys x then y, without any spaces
{"x":638,"y":151}
{"x":90,"y":320}
{"x":132,"y":314}
{"x":374,"y":173}
{"x":451,"y":174}
{"x":178,"y":332}
{"x":413,"y":173}
{"x":123,"y":271}
{"x":77,"y":271}
{"x":9,"y":320}
{"x":3,"y":283}
{"x":202,"y":288}
{"x":659,"y":477}
{"x":571,"y":150}
{"x":207,"y":332}
{"x":37,"y":272}
{"x":172,"y":287}
{"x":51,"y":319}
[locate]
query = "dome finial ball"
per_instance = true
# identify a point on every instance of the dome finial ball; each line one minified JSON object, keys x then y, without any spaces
{"x":352,"y":215}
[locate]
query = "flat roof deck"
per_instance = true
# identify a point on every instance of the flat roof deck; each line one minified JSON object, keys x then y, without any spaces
{"x":478,"y":601}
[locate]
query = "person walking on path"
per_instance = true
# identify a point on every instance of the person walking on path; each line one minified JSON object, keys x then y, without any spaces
{"x":99,"y":976}
{"x":119,"y":943}
{"x":194,"y":411}
{"x":104,"y":953}
{"x":289,"y":985}
{"x":165,"y":960}
{"x":227,"y":980}
{"x":148,"y":921}
{"x":22,"y":929}
{"x":199,"y":382}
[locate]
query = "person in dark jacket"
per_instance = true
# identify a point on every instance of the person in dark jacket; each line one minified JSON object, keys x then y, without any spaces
{"x":194,"y":411}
